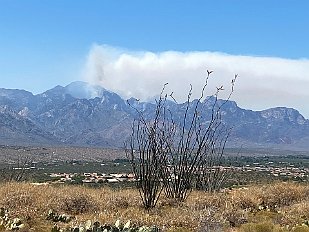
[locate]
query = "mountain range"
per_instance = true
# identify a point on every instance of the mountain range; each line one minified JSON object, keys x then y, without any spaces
{"x":81,"y":114}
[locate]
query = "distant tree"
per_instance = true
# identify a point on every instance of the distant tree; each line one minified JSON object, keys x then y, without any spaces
{"x":17,"y":171}
{"x":173,"y":152}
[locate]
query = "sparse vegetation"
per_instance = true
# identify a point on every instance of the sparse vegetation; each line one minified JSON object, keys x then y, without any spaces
{"x":276,"y":206}
{"x":17,"y":170}
{"x":273,"y":207}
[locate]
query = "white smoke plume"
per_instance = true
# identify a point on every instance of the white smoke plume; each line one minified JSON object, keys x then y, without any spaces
{"x":263,"y":82}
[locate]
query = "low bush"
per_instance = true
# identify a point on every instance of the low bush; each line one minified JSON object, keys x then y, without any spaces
{"x":261,"y":227}
{"x":78,"y":204}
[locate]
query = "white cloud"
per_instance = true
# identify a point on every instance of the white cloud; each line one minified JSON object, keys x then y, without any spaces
{"x":263,"y":82}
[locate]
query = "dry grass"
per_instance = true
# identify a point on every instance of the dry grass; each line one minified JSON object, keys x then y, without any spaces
{"x":286,"y":204}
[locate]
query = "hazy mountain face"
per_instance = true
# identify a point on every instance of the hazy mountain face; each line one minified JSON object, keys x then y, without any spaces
{"x":87,"y":115}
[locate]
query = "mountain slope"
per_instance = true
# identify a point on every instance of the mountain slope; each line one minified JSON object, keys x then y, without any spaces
{"x":86,"y":115}
{"x":16,"y":128}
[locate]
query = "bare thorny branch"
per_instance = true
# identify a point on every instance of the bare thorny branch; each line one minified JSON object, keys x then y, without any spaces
{"x":173,"y":155}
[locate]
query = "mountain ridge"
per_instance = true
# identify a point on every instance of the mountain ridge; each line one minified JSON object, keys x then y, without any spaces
{"x":87,"y":115}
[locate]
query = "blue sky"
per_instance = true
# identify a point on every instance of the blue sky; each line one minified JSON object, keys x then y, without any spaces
{"x":44,"y":43}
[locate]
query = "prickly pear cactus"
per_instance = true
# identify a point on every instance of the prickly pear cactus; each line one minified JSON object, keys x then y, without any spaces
{"x":55,"y":217}
{"x":9,"y":224}
{"x":96,"y":226}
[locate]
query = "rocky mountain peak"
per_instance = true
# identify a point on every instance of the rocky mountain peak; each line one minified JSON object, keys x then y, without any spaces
{"x":283,"y":114}
{"x":87,"y":115}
